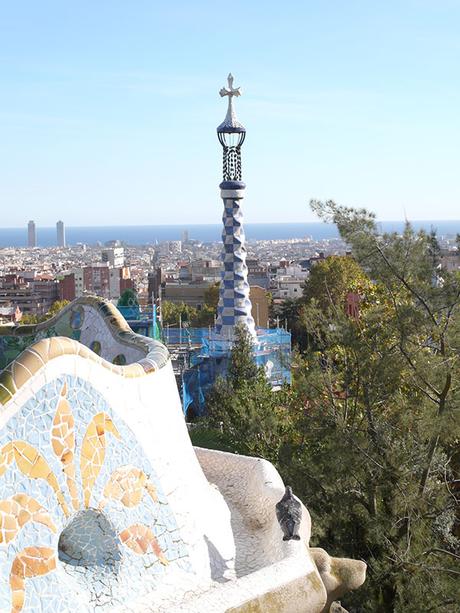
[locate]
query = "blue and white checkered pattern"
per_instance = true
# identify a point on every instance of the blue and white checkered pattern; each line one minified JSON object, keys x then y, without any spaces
{"x":234,"y":304}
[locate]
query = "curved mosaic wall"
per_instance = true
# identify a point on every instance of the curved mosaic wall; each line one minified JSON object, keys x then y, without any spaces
{"x":84,"y":522}
{"x":103,"y":503}
{"x":96,"y":324}
{"x":92,"y":321}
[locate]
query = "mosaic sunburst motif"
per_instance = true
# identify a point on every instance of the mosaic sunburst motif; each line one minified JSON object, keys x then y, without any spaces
{"x":126,"y":485}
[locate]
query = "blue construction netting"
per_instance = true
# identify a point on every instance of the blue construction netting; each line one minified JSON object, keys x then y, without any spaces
{"x":208,"y":357}
{"x":143,"y":322}
{"x":205,"y":356}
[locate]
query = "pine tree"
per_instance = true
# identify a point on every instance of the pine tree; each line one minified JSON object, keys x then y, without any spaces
{"x":378,"y":462}
{"x":252,"y":419}
{"x":369,"y":433}
{"x":242,"y":367}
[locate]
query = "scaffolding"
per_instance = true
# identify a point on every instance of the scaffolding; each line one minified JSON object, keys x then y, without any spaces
{"x":143,"y":322}
{"x":199,"y":356}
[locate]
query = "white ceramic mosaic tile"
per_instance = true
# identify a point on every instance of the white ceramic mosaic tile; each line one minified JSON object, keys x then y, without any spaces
{"x":106,"y":506}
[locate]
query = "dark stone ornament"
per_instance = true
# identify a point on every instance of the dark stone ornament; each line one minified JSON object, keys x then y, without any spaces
{"x":289,"y":515}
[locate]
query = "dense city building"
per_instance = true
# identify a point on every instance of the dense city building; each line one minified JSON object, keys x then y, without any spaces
{"x":10,"y":314}
{"x":30,"y":292}
{"x":114,"y":256}
{"x":278,"y":266}
{"x":100,"y":279}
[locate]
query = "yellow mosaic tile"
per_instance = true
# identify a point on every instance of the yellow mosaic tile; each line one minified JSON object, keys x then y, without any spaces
{"x":16,"y":511}
{"x":6,"y":457}
{"x":5,"y":395}
{"x":127,"y":485}
{"x":32,"y":464}
{"x":41,"y":348}
{"x":20,"y":373}
{"x":141,"y":540}
{"x":30,"y":562}
{"x":6,"y":379}
{"x":63,"y":443}
{"x":30,"y":360}
{"x":93,"y":452}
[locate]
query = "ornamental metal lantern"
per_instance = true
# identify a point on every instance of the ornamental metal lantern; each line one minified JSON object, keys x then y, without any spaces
{"x":231,"y":134}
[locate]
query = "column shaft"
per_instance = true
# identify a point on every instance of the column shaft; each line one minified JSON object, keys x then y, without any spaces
{"x":234,"y":303}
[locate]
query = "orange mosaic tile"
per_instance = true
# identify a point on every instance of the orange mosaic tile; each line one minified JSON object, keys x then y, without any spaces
{"x":30,"y":562}
{"x":6,"y":457}
{"x":63,"y":443}
{"x":141,"y":540}
{"x":127,"y":484}
{"x":16,"y":511}
{"x":32,"y":464}
{"x":93,"y":452}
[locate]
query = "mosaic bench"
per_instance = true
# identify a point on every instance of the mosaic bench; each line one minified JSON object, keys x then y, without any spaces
{"x":106,"y":506}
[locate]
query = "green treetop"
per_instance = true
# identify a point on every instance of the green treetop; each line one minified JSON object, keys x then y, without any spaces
{"x":128,"y":299}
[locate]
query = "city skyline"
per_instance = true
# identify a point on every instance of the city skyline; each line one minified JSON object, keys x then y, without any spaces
{"x":148,"y":234}
{"x":111,"y":117}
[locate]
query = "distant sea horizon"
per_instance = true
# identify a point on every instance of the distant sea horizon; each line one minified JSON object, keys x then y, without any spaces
{"x":150,"y":235}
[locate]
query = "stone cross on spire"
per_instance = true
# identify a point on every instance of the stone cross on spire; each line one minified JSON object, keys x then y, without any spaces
{"x":230,"y":91}
{"x":230,"y":123}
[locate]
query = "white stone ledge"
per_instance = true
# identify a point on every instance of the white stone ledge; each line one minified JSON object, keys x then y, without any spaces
{"x":293,"y":585}
{"x":232,"y":194}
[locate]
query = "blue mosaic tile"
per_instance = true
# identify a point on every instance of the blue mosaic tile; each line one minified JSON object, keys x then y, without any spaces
{"x":86,"y":579}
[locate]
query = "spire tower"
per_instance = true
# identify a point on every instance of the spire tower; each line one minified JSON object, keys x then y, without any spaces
{"x":234,"y":305}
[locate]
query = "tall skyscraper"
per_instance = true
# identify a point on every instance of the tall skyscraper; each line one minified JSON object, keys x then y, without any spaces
{"x":60,"y":231}
{"x":31,"y":234}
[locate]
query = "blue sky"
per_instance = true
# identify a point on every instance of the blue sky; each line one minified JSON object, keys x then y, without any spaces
{"x":108,"y":108}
